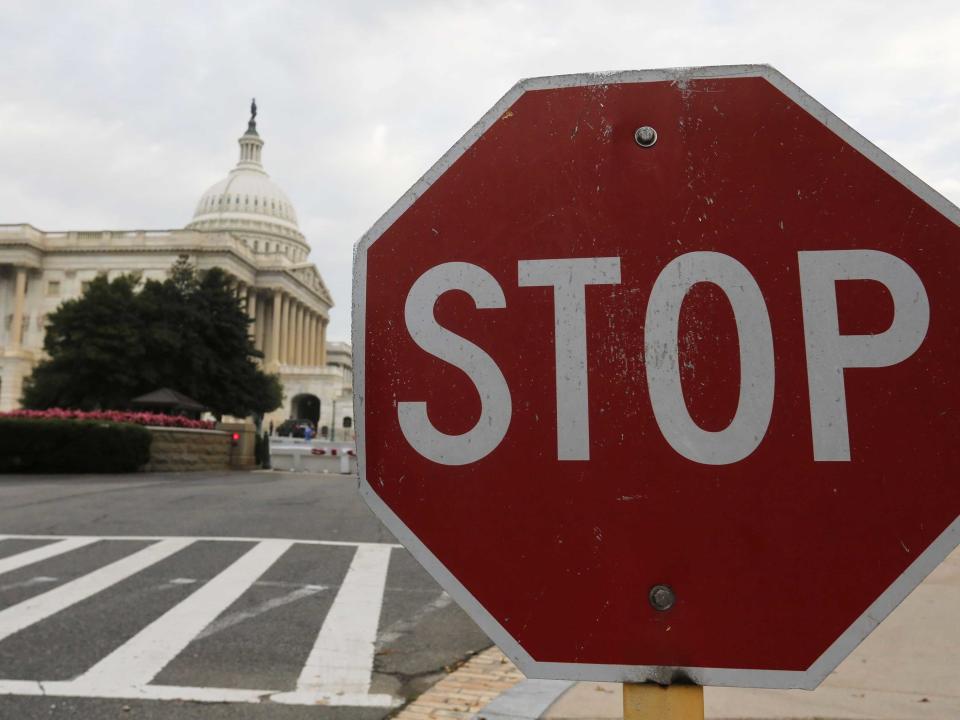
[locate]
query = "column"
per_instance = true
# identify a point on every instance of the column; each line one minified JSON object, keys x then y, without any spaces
{"x":284,"y":328}
{"x":260,"y":327}
{"x":302,"y":341}
{"x":312,"y":341}
{"x":252,"y":312}
{"x":16,"y":330}
{"x":289,"y":334}
{"x":311,"y":335}
{"x":266,"y":328}
{"x":297,"y":334}
{"x":323,"y":342}
{"x":295,"y":337}
{"x":317,"y":350}
{"x":305,"y":351}
{"x":292,"y":344}
{"x":273,"y":354}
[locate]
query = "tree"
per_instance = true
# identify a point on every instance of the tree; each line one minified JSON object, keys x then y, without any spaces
{"x":94,"y":344}
{"x":189,"y":332}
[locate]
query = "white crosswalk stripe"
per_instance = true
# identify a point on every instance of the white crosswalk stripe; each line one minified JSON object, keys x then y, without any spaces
{"x":44,"y":552}
{"x":340,"y":662}
{"x":338,"y":670}
{"x":22,"y":615}
{"x":139,"y":660}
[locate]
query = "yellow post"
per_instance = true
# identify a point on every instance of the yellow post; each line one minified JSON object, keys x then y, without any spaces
{"x":648,"y":701}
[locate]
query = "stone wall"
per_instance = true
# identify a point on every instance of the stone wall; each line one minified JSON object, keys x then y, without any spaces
{"x":180,"y":449}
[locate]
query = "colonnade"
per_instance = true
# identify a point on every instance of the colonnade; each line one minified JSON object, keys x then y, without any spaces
{"x":285,"y":329}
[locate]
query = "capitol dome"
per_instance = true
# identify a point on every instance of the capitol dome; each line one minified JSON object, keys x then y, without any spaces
{"x":249,"y":204}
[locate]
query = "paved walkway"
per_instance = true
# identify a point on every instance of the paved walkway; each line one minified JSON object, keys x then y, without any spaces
{"x":464,"y":692}
{"x":908,"y":669}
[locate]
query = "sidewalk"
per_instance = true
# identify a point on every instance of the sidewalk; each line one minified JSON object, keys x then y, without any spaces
{"x":908,"y":669}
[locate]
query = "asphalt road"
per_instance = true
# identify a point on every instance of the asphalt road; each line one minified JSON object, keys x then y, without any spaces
{"x":240,"y":595}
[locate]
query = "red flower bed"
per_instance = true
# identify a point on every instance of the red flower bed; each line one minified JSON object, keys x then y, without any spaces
{"x":119,"y":416}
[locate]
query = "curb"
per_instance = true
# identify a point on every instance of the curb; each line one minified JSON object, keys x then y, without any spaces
{"x":527,"y":700}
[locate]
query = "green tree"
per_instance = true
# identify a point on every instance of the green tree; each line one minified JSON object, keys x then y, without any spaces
{"x":267,"y":394}
{"x":190,"y":333}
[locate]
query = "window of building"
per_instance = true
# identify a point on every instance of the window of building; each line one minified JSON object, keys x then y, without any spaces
{"x":347,"y":421}
{"x":84,"y":286}
{"x":53,"y":288}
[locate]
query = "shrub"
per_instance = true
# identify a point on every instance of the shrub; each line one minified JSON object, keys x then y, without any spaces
{"x":71,"y":446}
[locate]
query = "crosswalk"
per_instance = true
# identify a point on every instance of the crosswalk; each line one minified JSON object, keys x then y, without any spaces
{"x":337,"y":670}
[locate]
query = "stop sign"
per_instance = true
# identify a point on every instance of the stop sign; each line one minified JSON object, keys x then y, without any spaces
{"x":656,"y":373}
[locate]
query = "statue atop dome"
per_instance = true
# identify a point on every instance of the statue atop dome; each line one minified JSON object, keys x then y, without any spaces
{"x":252,"y":125}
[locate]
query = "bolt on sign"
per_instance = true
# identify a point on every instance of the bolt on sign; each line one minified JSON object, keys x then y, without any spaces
{"x":656,"y":374}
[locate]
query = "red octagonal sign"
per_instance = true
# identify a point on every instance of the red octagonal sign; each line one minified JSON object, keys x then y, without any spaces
{"x":657,"y":376}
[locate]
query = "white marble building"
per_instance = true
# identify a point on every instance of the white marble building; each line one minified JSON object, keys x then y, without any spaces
{"x":244,"y":224}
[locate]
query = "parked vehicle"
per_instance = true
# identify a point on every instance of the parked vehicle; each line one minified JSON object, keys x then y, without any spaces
{"x":296,"y":427}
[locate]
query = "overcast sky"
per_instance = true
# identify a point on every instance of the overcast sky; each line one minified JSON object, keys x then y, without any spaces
{"x":118,"y":115}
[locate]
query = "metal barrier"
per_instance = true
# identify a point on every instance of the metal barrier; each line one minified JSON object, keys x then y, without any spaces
{"x":318,"y":456}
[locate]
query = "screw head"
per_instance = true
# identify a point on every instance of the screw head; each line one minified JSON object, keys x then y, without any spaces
{"x":645,"y":136}
{"x":662,"y":597}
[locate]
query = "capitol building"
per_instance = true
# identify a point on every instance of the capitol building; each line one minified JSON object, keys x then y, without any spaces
{"x":244,"y":224}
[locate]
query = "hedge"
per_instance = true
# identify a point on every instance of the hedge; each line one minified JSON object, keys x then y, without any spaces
{"x":71,"y":446}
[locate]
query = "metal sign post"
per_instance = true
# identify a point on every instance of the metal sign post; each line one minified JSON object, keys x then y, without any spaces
{"x":649,"y":701}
